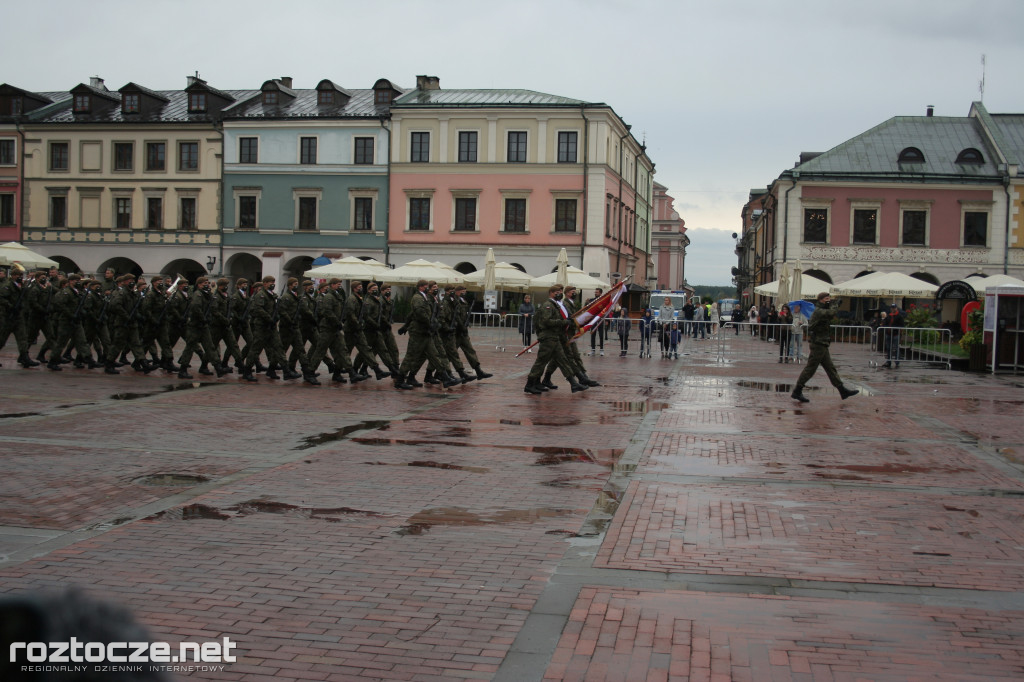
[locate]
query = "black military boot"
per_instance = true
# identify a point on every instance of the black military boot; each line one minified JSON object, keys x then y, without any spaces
{"x":400,"y":382}
{"x":845,"y":392}
{"x":168,"y":366}
{"x":380,"y":374}
{"x":355,"y":377}
{"x":532,"y":388}
{"x":94,"y":364}
{"x":110,"y":368}
{"x":411,"y":380}
{"x":547,"y":383}
{"x":448,"y":380}
{"x":577,"y":386}
{"x":260,"y":367}
{"x":429,"y":378}
{"x":26,"y":361}
{"x":465,"y":377}
{"x":55,"y":366}
{"x":587,"y":381}
{"x":204,"y":369}
{"x":221,"y":370}
{"x":798,"y":394}
{"x":183,"y":372}
{"x":290,"y":373}
{"x":310,"y":378}
{"x":41,"y":358}
{"x":272,"y":374}
{"x":247,"y":373}
{"x":480,"y":374}
{"x":338,"y":377}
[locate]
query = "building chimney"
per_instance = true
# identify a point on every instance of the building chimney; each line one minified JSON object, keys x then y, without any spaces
{"x":192,"y":80}
{"x":286,"y":81}
{"x":428,"y":83}
{"x":930,"y":110}
{"x":96,"y":82}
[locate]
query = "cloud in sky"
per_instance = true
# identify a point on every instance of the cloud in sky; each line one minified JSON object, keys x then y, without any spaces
{"x":726,"y":94}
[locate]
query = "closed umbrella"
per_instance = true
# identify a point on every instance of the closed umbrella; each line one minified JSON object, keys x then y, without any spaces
{"x":489,"y":280}
{"x":783,"y":293}
{"x":796,"y":283}
{"x":13,"y":252}
{"x":561,"y":274}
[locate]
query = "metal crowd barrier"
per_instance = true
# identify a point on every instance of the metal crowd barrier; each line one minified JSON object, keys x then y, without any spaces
{"x":850,"y":343}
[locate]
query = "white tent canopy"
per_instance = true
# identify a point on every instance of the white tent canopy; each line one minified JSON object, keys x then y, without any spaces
{"x":885,"y":284}
{"x":413,"y":271}
{"x":574,"y":276}
{"x":349,"y":267}
{"x":506,"y":276}
{"x":13,"y":252}
{"x":981,"y":284}
{"x":810,"y":287}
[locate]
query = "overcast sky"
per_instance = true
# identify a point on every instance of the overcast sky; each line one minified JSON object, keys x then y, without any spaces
{"x":726,"y":93}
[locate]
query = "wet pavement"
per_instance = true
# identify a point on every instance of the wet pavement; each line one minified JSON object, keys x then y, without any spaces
{"x":686,"y":520}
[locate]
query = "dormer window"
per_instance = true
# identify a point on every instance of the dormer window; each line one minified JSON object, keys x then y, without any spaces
{"x":970,"y":156}
{"x":81,"y":103}
{"x":270,"y":97}
{"x":196,"y":102}
{"x":325,"y":97}
{"x":130,"y":103}
{"x":17,"y":106}
{"x":911,"y":155}
{"x":382,"y":97}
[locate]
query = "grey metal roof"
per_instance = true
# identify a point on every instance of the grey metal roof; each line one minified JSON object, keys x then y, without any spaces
{"x":1011,"y":128}
{"x":462,"y":98}
{"x":876,"y":151}
{"x":174,"y":111}
{"x":305,"y":105}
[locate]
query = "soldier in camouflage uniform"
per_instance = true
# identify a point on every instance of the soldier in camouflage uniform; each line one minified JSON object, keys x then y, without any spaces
{"x":122,"y":324}
{"x":572,"y":353}
{"x":68,"y":305}
{"x":264,"y":331}
{"x":197,"y":333}
{"x":12,"y":321}
{"x":220,"y":326}
{"x":329,"y":310}
{"x":446,"y":331}
{"x":552,"y":323}
{"x":307,"y":316}
{"x":422,"y":326}
{"x":819,"y":333}
{"x":353,"y":324}
{"x":462,"y":341}
{"x":291,"y":335}
{"x":374,"y":323}
{"x":387,"y":315}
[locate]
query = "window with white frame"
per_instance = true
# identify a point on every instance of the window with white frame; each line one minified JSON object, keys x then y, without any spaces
{"x":363,"y":205}
{"x":864,"y":224}
{"x":123,"y":212}
{"x":188,"y":218}
{"x":307,"y":208}
{"x":817,"y":225}
{"x":419,"y":214}
{"x":464,"y":214}
{"x":248,"y":149}
{"x":154,"y":212}
{"x":915,"y":223}
{"x":974,"y":221}
{"x":247,"y":204}
{"x":515,"y":211}
{"x":7,"y":152}
{"x":59,"y":209}
{"x":307,"y":150}
{"x":566,"y":213}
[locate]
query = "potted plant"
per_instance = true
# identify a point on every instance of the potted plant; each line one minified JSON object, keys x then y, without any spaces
{"x":973,"y":341}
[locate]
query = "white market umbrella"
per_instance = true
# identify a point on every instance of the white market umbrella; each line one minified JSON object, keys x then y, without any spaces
{"x":489,"y":282}
{"x":413,"y":271}
{"x":980,"y":284}
{"x":561,"y":272}
{"x":13,"y":252}
{"x":796,"y":284}
{"x":574,"y":276}
{"x":885,"y":284}
{"x":810,"y":286}
{"x":783,"y":291}
{"x":349,"y":267}
{"x":506,"y":276}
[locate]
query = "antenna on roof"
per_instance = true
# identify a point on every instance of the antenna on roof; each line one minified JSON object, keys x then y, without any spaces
{"x":981,"y":83}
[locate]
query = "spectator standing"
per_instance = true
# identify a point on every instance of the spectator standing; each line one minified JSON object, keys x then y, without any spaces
{"x":666,"y":316}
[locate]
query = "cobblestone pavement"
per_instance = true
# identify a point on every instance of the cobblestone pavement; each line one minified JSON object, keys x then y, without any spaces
{"x":686,"y":520}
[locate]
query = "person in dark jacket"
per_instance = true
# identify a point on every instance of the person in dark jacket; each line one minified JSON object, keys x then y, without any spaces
{"x":893,"y":323}
{"x":526,"y":311}
{"x":819,"y":332}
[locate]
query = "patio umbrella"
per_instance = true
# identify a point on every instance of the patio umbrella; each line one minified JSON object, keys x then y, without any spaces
{"x":561,"y":274}
{"x":13,"y":252}
{"x":810,"y":286}
{"x":506,"y":276}
{"x":796,"y":284}
{"x":980,"y":284}
{"x":489,"y":281}
{"x":783,"y":292}
{"x":885,"y":284}
{"x":413,"y":271}
{"x":574,"y":276}
{"x":349,"y":267}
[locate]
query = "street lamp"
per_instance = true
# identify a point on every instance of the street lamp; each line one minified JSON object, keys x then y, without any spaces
{"x":210,"y":262}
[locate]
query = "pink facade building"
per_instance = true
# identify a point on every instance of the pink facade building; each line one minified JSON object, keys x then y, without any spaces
{"x":668,"y":242}
{"x":523,"y":172}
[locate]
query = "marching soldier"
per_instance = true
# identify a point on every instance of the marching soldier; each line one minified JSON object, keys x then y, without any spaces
{"x":387,"y":317}
{"x":291,"y":335}
{"x":307,"y":316}
{"x":422,"y":325}
{"x":572,"y":353}
{"x":462,"y":332}
{"x":264,"y":331}
{"x":221,"y":329}
{"x":551,"y":322}
{"x":197,"y":333}
{"x":121,"y":320}
{"x":353,"y":324}
{"x":446,"y":331}
{"x":12,"y":320}
{"x":68,"y":304}
{"x":329,"y":311}
{"x":373,"y":326}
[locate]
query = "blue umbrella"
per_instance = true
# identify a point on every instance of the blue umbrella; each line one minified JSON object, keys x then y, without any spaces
{"x":805,"y":307}
{"x":322,"y":260}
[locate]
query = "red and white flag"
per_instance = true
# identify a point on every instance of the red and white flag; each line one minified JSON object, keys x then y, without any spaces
{"x":594,"y":314}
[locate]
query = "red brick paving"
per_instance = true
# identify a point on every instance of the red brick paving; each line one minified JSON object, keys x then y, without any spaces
{"x":417,"y":549}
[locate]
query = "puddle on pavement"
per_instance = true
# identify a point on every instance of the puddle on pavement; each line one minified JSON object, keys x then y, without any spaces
{"x":331,"y":436}
{"x":171,"y":479}
{"x":771,"y":387}
{"x":549,"y":455}
{"x":640,"y":407}
{"x":201,"y":511}
{"x":18,"y":415}
{"x":862,"y":472}
{"x":166,"y":389}
{"x":110,"y":524}
{"x":433,"y":465}
{"x":423,"y":521}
